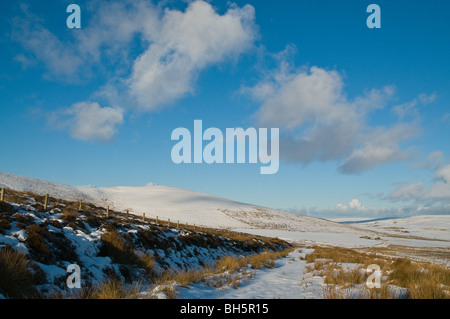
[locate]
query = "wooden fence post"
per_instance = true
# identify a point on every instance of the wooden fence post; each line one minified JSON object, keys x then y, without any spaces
{"x":178,"y":224}
{"x":127,"y":215}
{"x":143,"y":217}
{"x":46,"y":202}
{"x":168,"y":222}
{"x":157,"y":220}
{"x":107,"y":211}
{"x":79,"y":207}
{"x":2,"y":195}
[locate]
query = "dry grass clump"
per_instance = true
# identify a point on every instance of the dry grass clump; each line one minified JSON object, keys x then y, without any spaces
{"x":332,"y":291}
{"x":147,"y":262}
{"x":183,"y":277}
{"x":422,"y":280}
{"x":267,"y":258}
{"x":16,"y":280}
{"x":112,"y":289}
{"x":346,"y":255}
{"x":230,"y":264}
{"x":336,"y":275}
{"x":109,"y":289}
{"x":114,"y":246}
{"x":260,"y":260}
{"x":70,"y":213}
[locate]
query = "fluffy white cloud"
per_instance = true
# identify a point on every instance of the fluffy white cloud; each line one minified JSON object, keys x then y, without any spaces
{"x":186,"y":43}
{"x":90,"y":122}
{"x":354,"y":204}
{"x":311,"y":107}
{"x":314,"y":96}
{"x":115,"y":26}
{"x":174,"y":46}
{"x":320,"y":123}
{"x":152,"y":55}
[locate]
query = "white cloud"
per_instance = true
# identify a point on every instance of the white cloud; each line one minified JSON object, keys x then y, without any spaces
{"x":60,"y":59}
{"x":437,"y":191}
{"x":188,"y":42}
{"x":311,"y":107}
{"x":175,"y":47}
{"x":411,"y":108}
{"x":354,"y":204}
{"x":320,"y":123}
{"x":115,"y":26}
{"x":433,"y":161}
{"x":106,"y":39}
{"x":151,"y":55}
{"x":89,"y":121}
{"x":427,"y":98}
{"x":303,"y":97}
{"x":381,"y":146}
{"x":405,"y":109}
{"x":408,"y":191}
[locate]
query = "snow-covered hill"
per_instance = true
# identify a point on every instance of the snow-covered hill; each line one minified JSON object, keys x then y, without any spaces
{"x":179,"y":204}
{"x":201,"y":209}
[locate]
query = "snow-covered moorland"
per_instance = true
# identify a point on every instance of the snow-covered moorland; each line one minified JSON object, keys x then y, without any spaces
{"x":212,"y":247}
{"x":114,"y":246}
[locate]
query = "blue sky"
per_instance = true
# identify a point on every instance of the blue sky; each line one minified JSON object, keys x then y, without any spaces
{"x":364,"y":114}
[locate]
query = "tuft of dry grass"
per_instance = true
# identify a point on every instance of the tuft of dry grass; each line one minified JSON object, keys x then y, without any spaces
{"x":112,"y":289}
{"x":346,"y":255}
{"x":422,"y":280}
{"x":229,"y":264}
{"x":181,"y":277}
{"x":15,"y":278}
{"x":267,"y":258}
{"x":114,"y":246}
{"x":70,"y":213}
{"x":147,"y":262}
{"x":343,"y":277}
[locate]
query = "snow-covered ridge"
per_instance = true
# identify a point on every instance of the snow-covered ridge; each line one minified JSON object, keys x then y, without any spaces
{"x":42,"y":187}
{"x":173,"y":203}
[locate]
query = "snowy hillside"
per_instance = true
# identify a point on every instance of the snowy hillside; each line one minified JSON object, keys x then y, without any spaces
{"x":42,"y":187}
{"x":192,"y":262}
{"x":180,"y":204}
{"x":37,"y":245}
{"x":206,"y":210}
